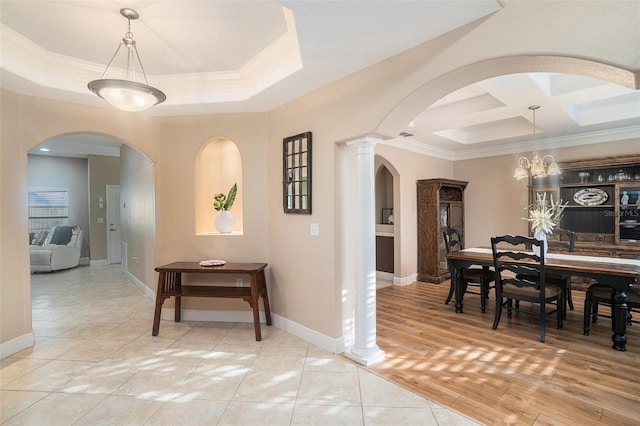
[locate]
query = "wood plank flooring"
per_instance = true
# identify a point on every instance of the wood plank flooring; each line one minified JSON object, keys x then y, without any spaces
{"x":506,"y":376}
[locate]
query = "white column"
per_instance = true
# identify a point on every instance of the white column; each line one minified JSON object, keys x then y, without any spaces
{"x":364,"y":350}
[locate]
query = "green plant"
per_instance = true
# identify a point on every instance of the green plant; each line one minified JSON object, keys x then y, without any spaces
{"x":544,"y":217}
{"x":223,"y":202}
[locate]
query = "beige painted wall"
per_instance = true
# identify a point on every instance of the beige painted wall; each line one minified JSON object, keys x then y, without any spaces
{"x":306,"y":273}
{"x":138,"y":214}
{"x":103,"y":171}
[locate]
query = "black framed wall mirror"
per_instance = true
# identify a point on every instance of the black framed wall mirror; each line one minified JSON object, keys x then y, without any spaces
{"x":296,"y":173}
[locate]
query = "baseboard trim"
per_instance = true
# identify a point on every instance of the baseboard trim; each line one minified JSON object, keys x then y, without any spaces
{"x":331,"y":344}
{"x":16,"y":345}
{"x":405,"y":280}
{"x":101,"y":262}
{"x":146,"y":290}
{"x":384,"y":276}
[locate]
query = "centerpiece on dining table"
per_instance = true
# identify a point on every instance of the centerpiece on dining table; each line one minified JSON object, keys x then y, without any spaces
{"x":544,"y":217}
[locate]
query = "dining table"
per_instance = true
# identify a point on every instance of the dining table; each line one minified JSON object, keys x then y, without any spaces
{"x":618,"y":273}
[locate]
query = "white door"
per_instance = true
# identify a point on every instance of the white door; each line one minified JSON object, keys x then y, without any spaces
{"x":114,"y":242}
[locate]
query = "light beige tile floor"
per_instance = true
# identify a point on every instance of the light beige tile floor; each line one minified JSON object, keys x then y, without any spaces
{"x":95,"y":362}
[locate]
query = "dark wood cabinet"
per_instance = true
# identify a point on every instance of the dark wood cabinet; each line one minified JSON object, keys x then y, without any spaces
{"x":440,"y":204}
{"x":604,"y":203}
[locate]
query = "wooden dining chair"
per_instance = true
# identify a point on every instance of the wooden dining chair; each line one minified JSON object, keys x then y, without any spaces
{"x":480,"y":278}
{"x":565,"y":242}
{"x":602,"y":294}
{"x":521,"y":276}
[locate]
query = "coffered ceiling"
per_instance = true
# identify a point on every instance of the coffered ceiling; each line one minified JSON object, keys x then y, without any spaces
{"x":246,"y":56}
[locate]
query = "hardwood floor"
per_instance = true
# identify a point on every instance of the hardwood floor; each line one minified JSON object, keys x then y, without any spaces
{"x":506,"y":376}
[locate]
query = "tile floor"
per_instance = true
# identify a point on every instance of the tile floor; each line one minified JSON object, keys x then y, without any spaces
{"x":95,"y":362}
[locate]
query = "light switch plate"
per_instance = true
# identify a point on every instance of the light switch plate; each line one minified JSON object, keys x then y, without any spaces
{"x":100,"y":220}
{"x":315,"y":229}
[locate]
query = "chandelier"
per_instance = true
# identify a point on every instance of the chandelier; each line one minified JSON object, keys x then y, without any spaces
{"x":128,"y":95}
{"x":539,"y":166}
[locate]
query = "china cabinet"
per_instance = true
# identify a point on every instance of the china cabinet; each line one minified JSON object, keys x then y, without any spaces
{"x":440,"y":204}
{"x":603,"y":203}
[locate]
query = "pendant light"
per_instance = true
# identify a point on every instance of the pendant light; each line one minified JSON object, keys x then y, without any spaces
{"x":128,"y":95}
{"x":539,"y":168}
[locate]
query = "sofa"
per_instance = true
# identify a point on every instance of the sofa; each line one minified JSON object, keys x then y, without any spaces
{"x":59,"y":249}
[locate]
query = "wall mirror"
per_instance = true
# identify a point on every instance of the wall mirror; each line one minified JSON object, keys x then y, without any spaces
{"x":296,"y":173}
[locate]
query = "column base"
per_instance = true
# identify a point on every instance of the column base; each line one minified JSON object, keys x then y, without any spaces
{"x":365,"y":357}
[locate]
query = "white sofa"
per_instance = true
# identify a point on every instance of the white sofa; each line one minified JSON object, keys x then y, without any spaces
{"x":61,"y":250}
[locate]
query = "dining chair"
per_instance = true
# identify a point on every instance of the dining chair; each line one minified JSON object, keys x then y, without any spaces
{"x":521,"y":276}
{"x":565,"y":242}
{"x":473,"y":276}
{"x":602,"y":294}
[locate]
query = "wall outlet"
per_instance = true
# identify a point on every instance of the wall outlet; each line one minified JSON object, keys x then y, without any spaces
{"x":238,"y":282}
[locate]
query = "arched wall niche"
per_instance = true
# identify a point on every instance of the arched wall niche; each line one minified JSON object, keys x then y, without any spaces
{"x":425,"y":95}
{"x":218,"y":165}
{"x":387,"y":174}
{"x":384,"y":192}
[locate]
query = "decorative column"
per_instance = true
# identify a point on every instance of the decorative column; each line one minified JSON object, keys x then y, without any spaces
{"x":364,"y":350}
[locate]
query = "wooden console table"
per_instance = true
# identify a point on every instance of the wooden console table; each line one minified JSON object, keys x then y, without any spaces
{"x":170,"y":284}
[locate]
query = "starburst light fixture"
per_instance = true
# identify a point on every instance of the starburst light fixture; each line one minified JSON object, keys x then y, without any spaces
{"x":538,"y":165}
{"x":128,"y":95}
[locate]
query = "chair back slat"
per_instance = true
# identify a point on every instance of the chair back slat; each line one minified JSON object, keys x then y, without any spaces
{"x":562,"y":240}
{"x":452,"y":239}
{"x":528,"y":268}
{"x":525,"y":280}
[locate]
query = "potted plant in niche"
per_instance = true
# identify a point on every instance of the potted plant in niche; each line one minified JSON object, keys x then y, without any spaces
{"x":225,"y":222}
{"x":544,"y":217}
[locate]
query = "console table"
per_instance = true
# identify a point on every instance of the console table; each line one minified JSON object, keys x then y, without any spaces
{"x":170,"y":284}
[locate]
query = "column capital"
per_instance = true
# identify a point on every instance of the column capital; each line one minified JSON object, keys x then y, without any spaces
{"x":365,"y":142}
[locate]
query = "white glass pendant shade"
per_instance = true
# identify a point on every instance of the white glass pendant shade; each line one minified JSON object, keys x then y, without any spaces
{"x":127,"y":95}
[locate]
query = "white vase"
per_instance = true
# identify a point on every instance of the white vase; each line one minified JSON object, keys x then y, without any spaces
{"x":225,"y":222}
{"x":540,"y":235}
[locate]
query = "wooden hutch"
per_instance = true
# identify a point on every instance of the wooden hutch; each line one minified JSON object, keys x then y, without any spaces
{"x":440,"y":204}
{"x":604,"y":203}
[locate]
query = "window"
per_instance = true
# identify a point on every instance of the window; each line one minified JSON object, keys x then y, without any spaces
{"x":47,"y":208}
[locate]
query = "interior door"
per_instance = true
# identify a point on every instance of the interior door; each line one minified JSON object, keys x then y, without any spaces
{"x":114,"y":239}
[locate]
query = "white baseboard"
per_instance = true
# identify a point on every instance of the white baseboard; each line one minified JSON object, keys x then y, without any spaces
{"x":16,"y":345}
{"x":405,"y":280}
{"x":146,"y":290}
{"x":101,"y":262}
{"x":384,"y":276}
{"x":331,"y":344}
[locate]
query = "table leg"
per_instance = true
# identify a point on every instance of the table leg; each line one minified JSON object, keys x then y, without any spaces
{"x":619,"y":320}
{"x":254,"y":306}
{"x":265,"y":297}
{"x":457,"y":277}
{"x":159,"y":301}
{"x":178,"y":303}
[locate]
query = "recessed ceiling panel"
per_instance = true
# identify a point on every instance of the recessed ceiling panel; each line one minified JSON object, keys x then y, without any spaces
{"x":494,"y":130}
{"x":606,"y":110}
